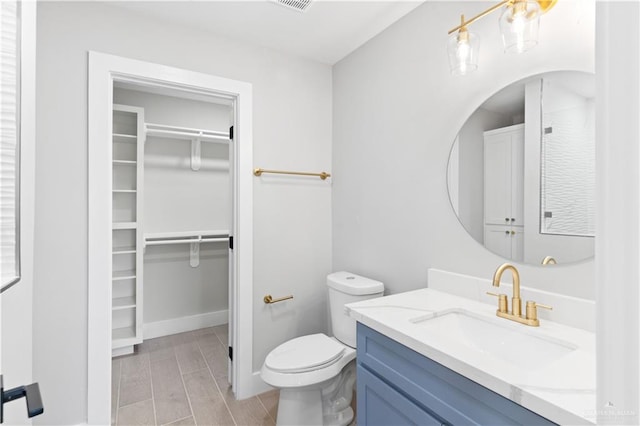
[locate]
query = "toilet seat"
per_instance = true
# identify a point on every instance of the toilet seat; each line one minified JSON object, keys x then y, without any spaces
{"x":327,"y":366}
{"x":306,"y":353}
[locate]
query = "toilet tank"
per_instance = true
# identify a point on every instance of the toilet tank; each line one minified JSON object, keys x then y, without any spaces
{"x":345,"y":287}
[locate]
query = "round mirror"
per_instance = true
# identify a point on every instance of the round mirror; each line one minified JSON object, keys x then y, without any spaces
{"x":521,"y":174}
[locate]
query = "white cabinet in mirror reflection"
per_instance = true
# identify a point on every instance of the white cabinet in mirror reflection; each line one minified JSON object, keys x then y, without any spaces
{"x":504,"y":191}
{"x":505,"y":241}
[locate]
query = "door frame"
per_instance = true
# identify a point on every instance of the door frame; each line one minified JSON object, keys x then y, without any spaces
{"x":104,"y":69}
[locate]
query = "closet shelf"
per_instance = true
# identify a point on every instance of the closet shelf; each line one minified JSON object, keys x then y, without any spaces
{"x":124,"y":225}
{"x":124,"y":250}
{"x":125,"y":162}
{"x":119,"y":335}
{"x":120,"y":303}
{"x":123,"y":275}
{"x":175,"y":132}
{"x":120,"y":137}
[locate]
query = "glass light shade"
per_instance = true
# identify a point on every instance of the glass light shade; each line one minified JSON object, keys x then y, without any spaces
{"x":519,"y":25}
{"x":463,"y":50}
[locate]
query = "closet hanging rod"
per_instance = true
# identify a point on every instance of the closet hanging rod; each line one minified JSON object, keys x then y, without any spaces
{"x":321,"y":175}
{"x":186,"y":241}
{"x":163,"y":130}
{"x":207,"y":233}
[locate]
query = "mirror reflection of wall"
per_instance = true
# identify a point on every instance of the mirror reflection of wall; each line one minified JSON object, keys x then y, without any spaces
{"x":500,"y":188}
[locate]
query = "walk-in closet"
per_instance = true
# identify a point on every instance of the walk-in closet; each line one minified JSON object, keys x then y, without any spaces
{"x":172,"y":212}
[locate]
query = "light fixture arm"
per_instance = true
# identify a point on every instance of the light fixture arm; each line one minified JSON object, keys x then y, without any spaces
{"x":480,"y":15}
{"x":462,"y":33}
{"x":545,"y":5}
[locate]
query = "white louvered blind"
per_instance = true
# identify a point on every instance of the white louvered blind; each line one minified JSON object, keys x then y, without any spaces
{"x":9,"y":142}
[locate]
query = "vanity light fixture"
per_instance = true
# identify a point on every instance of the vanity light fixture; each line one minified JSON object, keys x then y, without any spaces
{"x":463,"y":50}
{"x":519,"y":24}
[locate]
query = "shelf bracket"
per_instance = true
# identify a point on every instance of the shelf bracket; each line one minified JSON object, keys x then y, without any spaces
{"x":194,"y":254}
{"x":195,"y":153}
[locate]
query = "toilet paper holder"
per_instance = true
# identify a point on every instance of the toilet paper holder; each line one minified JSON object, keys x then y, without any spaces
{"x":269,"y":300}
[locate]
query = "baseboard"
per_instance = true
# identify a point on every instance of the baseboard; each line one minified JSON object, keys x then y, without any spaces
{"x":258,"y":385}
{"x":182,"y":324}
{"x":121,"y":351}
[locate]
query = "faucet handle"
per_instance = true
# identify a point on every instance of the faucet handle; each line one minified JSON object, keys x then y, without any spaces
{"x":502,"y":301}
{"x":532,"y":311}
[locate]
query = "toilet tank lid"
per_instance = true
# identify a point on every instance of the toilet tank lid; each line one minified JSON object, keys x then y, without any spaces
{"x":353,"y":284}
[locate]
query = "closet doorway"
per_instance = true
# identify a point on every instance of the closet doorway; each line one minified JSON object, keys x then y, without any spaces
{"x":170,"y":214}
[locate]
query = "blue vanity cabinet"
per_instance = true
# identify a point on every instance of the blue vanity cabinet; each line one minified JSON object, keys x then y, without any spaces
{"x":398,"y":386}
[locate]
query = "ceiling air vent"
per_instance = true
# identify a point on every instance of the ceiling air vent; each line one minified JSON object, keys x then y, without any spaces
{"x":298,"y":5}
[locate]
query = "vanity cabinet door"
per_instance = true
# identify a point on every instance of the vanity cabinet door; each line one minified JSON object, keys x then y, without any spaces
{"x":380,"y":404}
{"x":392,"y":377}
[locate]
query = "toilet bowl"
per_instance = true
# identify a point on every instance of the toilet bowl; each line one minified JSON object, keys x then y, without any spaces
{"x":316,"y":373}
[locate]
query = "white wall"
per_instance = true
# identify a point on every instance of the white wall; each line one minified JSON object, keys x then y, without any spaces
{"x":396,"y":112}
{"x":618,"y":214}
{"x":292,"y":232}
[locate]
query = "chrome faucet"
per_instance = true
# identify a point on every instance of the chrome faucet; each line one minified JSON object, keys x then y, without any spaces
{"x":531,"y":317}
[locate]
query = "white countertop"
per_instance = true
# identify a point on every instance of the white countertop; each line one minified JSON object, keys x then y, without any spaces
{"x":562,"y":390}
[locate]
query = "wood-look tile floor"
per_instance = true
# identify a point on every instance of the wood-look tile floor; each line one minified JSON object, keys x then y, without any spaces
{"x":182,"y":380}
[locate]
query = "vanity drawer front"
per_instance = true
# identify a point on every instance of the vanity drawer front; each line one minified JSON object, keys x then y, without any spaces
{"x":380,"y":404}
{"x":449,"y":395}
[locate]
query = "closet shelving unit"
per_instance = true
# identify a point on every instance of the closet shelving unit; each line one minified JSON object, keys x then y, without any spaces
{"x":127,"y":232}
{"x":129,"y":241}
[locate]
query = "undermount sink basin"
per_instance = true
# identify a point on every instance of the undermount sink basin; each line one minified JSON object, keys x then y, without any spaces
{"x":495,"y":337}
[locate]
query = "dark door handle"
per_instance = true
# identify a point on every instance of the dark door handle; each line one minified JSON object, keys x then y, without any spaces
{"x":30,"y":392}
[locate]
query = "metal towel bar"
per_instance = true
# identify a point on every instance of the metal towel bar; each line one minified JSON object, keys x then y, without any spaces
{"x":321,"y":175}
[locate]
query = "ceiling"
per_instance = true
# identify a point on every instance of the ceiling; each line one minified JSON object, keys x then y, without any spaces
{"x":510,"y":100}
{"x":326,"y":32}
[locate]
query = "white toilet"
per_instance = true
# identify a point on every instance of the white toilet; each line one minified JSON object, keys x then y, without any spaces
{"x":316,"y":374}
